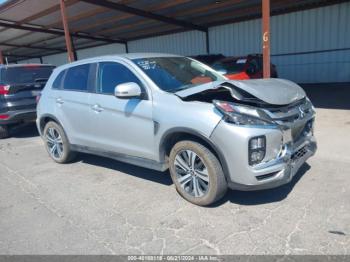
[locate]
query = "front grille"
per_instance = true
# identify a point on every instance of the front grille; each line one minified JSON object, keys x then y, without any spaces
{"x":299,"y":154}
{"x":290,"y":113}
{"x":294,"y":117}
{"x":297,"y":131}
{"x":303,"y":129}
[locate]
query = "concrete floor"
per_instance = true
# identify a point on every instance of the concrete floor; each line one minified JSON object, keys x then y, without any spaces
{"x":100,"y":206}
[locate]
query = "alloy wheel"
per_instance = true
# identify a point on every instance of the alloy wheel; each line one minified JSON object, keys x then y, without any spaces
{"x":192,"y":174}
{"x":54,"y":143}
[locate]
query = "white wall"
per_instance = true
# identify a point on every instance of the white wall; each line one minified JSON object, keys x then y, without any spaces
{"x":186,"y":43}
{"x":310,"y":30}
{"x":101,"y":50}
{"x":57,"y":60}
{"x":60,"y":59}
{"x":30,"y":61}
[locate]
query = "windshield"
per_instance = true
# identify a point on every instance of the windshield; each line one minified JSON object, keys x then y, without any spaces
{"x":26,"y":74}
{"x":231,"y":67}
{"x":173,"y":74}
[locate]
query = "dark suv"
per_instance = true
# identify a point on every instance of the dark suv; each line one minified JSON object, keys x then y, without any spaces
{"x":20,"y":84}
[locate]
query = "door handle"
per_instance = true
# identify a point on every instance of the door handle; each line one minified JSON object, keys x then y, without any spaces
{"x":59,"y":101}
{"x":97,"y":108}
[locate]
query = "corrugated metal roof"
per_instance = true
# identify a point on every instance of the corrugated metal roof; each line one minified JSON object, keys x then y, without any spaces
{"x":113,"y":25}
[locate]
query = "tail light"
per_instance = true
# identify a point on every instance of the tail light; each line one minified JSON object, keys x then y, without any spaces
{"x":4,"y":89}
{"x":3,"y":117}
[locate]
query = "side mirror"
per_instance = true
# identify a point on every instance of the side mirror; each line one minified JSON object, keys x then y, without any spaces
{"x":127,"y":90}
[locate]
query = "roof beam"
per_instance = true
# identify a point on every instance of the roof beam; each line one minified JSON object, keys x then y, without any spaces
{"x":19,"y":56}
{"x":115,"y":19}
{"x":67,"y":36}
{"x":150,"y":15}
{"x":33,"y":47}
{"x":39,"y":29}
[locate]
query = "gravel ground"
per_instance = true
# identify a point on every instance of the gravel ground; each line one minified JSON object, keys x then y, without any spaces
{"x":100,"y":206}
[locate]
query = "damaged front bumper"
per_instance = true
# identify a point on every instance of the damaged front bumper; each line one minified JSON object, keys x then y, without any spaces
{"x":283,"y":157}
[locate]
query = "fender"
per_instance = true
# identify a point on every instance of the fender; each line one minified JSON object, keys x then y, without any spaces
{"x":195,"y":133}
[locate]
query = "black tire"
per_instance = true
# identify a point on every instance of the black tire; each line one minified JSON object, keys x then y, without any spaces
{"x":67,"y":154}
{"x":216,"y":185}
{"x":4,"y":132}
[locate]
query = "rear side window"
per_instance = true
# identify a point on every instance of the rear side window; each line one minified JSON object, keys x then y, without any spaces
{"x":58,"y":81}
{"x":112,"y":74}
{"x":27,"y":74}
{"x":76,"y":78}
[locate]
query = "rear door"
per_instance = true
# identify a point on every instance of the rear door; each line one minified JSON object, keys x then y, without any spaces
{"x":73,"y":107}
{"x":24,"y":84}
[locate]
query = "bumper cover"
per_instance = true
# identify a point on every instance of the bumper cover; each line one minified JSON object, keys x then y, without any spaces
{"x":288,"y":164}
{"x":19,"y":117}
{"x":282,"y":161}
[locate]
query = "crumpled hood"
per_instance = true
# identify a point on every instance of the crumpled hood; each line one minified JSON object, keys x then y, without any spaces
{"x":273,"y":91}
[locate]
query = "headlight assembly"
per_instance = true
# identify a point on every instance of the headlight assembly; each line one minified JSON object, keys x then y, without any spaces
{"x":241,"y":115}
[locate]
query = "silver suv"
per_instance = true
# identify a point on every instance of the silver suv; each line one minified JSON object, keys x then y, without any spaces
{"x":163,"y":111}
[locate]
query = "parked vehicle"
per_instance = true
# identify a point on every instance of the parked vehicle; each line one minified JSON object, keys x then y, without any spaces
{"x":19,"y":86}
{"x":242,"y":68}
{"x":209,"y":59}
{"x":164,"y":111}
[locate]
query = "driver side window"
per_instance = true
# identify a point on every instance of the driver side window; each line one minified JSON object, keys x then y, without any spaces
{"x":111,"y":74}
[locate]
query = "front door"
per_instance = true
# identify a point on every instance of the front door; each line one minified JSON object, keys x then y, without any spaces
{"x":123,"y":126}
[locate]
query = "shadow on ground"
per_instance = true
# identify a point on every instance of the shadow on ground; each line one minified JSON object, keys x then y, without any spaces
{"x":143,"y":173}
{"x":330,"y":95}
{"x":264,"y":196}
{"x":24,"y":131}
{"x":233,"y":196}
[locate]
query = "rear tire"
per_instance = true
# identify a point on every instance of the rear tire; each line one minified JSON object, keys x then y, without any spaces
{"x":197,"y":173}
{"x":4,"y":132}
{"x":57,"y":144}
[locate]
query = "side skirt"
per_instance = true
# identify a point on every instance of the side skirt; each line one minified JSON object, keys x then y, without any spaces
{"x":137,"y":161}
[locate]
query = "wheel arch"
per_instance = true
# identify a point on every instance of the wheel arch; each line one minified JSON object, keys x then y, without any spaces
{"x":44,"y":119}
{"x":174,"y":135}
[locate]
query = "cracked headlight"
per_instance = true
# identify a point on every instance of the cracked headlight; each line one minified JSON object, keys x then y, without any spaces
{"x":241,"y":115}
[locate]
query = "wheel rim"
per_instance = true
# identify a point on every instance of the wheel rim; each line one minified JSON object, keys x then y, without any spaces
{"x":54,"y":143}
{"x":192,"y":174}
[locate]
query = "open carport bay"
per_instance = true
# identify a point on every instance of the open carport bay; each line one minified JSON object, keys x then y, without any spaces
{"x":100,"y":206}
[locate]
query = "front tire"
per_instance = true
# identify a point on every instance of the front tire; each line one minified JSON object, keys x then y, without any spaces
{"x":4,"y":132}
{"x":57,"y":144}
{"x":197,"y":173}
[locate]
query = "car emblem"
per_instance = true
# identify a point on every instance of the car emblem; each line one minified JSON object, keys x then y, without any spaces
{"x":301,"y":112}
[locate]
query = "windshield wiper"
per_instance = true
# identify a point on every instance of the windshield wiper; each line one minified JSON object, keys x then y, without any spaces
{"x":181,"y":88}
